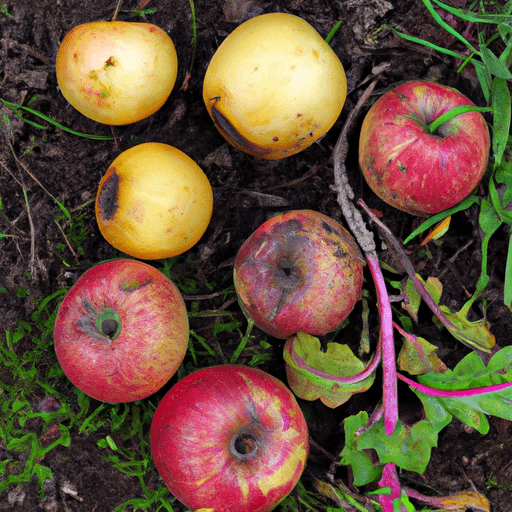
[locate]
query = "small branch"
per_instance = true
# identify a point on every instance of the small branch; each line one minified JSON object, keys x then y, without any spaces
{"x":364,"y":237}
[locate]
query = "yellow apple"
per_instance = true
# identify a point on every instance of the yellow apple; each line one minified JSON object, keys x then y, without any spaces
{"x":116,"y":72}
{"x":274,"y":86}
{"x":153,"y":202}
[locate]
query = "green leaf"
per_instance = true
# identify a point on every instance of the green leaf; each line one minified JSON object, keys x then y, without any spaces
{"x":363,"y":469}
{"x":471,"y":373}
{"x":418,"y":356}
{"x":314,"y":374}
{"x":501,"y":121}
{"x":497,"y":67}
{"x":408,"y":447}
{"x":42,"y":472}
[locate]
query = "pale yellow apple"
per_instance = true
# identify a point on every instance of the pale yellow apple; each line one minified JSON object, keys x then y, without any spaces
{"x":153,"y":202}
{"x":274,"y":86}
{"x":116,"y":72}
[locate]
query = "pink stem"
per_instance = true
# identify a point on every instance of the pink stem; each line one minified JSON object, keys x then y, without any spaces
{"x":390,"y":395}
{"x":457,"y":393}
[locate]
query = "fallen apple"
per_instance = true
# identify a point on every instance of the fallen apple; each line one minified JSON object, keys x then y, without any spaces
{"x":300,"y":271}
{"x":153,"y":202}
{"x":229,"y":438}
{"x":116,"y":72}
{"x":408,"y":167}
{"x":274,"y":86}
{"x":121,"y":331}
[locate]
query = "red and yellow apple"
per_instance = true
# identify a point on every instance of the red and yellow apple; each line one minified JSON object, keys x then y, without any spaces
{"x":274,"y":86}
{"x":121,"y":331}
{"x":229,"y":438}
{"x":408,"y":167}
{"x":154,"y":202}
{"x":300,"y":271}
{"x":116,"y":72}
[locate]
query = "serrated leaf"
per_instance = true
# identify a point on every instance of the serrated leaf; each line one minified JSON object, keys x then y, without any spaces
{"x":471,"y":373}
{"x":412,"y":304}
{"x":408,"y":446}
{"x":363,"y":469}
{"x":474,"y":334}
{"x":418,"y":356}
{"x":313,"y":374}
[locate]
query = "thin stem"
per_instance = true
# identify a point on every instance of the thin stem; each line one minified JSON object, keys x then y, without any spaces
{"x":454,"y":112}
{"x":457,"y":393}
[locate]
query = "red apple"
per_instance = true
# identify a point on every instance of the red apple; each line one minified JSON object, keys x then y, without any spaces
{"x":229,"y":438}
{"x":121,"y":332}
{"x":300,"y":271}
{"x":412,"y":169}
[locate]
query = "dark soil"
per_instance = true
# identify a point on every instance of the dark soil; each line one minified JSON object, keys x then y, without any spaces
{"x":247,"y":191}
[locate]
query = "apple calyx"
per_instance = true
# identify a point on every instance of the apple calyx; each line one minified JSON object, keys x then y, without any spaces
{"x":244,"y":446}
{"x":103,"y":325}
{"x":108,"y":323}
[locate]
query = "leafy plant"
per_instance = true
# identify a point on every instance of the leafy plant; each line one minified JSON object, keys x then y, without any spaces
{"x":481,"y":383}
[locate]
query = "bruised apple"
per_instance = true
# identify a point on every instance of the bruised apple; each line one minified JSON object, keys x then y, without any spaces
{"x":229,"y":438}
{"x":300,"y":271}
{"x":154,"y":202}
{"x":116,"y":72}
{"x":274,"y":86}
{"x":121,"y":332}
{"x":408,"y":167}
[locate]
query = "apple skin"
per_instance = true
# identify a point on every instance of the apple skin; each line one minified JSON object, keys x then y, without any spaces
{"x":411,"y":169}
{"x":116,"y":72}
{"x":121,"y":331}
{"x":300,"y":271}
{"x":229,"y":438}
{"x":154,"y":202}
{"x":274,"y":86}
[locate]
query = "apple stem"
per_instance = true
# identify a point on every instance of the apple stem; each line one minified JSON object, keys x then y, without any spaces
{"x":454,"y":112}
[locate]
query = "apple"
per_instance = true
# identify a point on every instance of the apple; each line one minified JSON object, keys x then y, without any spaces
{"x":274,"y":86}
{"x":121,"y":331}
{"x":300,"y":271}
{"x":116,"y":72}
{"x":408,"y":167}
{"x":154,"y":202}
{"x":229,"y":438}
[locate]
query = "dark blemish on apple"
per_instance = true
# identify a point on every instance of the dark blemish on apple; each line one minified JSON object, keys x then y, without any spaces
{"x":275,"y":139}
{"x":107,"y":200}
{"x":402,"y":167}
{"x":394,"y":195}
{"x":329,"y":229}
{"x":110,"y":62}
{"x":75,"y":56}
{"x":225,"y":126}
{"x":131,"y":286}
{"x":299,"y":115}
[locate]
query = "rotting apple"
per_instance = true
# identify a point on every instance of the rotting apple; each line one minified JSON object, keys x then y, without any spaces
{"x":154,"y":202}
{"x":229,"y":438}
{"x":300,"y":271}
{"x":116,"y":72}
{"x":274,"y":86}
{"x":408,"y":167}
{"x":121,"y":331}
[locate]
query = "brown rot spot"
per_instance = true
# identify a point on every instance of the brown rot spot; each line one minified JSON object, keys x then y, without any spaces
{"x":230,"y":132}
{"x":107,"y":199}
{"x":329,"y":229}
{"x":75,"y":56}
{"x":275,"y":139}
{"x":299,"y":115}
